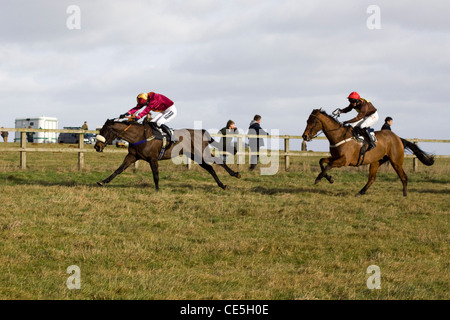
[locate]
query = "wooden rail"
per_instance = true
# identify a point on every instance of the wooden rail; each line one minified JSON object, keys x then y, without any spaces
{"x":241,"y":153}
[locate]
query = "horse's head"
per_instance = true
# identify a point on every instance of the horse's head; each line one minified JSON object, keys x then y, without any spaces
{"x":106,"y":135}
{"x":313,"y":125}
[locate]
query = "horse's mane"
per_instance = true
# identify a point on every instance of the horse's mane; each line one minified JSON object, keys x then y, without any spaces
{"x":327,"y":115}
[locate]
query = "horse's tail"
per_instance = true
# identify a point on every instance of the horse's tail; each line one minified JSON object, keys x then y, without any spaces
{"x":425,"y":158}
{"x":211,"y":140}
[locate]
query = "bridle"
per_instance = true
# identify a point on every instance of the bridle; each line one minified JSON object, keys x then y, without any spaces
{"x":316,"y":122}
{"x":101,"y":138}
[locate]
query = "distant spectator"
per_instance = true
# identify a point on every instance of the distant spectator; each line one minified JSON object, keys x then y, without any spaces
{"x":147,"y":118}
{"x":255,"y":143}
{"x":85,"y":126}
{"x":226,"y":143}
{"x":30,"y":135}
{"x":387,"y":124}
{"x":5,"y":135}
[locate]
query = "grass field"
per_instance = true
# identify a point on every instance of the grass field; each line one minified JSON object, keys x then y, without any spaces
{"x":268,"y":237}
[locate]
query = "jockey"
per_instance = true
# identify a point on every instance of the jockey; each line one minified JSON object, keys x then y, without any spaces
{"x":158,"y":103}
{"x":367,"y":116}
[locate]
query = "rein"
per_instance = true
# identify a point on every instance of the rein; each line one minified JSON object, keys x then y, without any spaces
{"x":102,"y":138}
{"x":318,"y":133}
{"x":330,"y":130}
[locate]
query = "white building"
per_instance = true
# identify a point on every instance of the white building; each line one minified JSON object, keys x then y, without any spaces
{"x":39,"y":123}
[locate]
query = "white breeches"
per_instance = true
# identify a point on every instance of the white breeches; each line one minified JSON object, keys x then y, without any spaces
{"x":366,"y":122}
{"x":165,"y":116}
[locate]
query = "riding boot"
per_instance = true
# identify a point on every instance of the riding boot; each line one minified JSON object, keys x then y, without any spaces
{"x":359,"y":133}
{"x":169,"y":133}
{"x":371,"y":139}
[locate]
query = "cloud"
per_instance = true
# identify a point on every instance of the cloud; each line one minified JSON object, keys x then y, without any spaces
{"x":221,"y":60}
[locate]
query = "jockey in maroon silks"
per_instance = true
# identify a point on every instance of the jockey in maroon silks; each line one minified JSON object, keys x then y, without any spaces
{"x":155,"y":102}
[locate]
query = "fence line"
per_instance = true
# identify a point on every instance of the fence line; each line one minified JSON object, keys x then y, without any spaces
{"x":241,"y":152}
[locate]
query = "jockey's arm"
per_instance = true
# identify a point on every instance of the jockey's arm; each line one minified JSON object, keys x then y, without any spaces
{"x":133,"y":110}
{"x":345,"y":110}
{"x":362,"y":113}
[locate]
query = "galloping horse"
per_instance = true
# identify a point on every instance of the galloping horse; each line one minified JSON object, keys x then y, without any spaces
{"x":345,"y":150}
{"x":144,"y":146}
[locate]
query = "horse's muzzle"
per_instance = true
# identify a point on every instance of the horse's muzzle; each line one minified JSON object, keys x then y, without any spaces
{"x":306,"y":137}
{"x":99,"y":146}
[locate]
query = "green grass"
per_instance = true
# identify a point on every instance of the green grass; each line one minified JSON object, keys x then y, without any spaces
{"x":268,"y":237}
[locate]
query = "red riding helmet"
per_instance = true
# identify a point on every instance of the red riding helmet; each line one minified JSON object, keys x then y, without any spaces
{"x":354,"y":95}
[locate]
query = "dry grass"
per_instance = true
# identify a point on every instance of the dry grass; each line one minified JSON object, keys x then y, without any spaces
{"x":268,"y":237}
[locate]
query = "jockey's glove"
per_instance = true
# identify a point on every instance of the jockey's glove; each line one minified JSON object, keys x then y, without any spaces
{"x":124,"y":115}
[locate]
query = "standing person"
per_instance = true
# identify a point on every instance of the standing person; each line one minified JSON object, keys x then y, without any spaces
{"x":367,"y":116}
{"x":255,"y":143}
{"x":30,"y":135}
{"x":225,"y":142}
{"x":5,"y":135}
{"x":155,"y":102}
{"x":85,"y":126}
{"x":387,"y":124}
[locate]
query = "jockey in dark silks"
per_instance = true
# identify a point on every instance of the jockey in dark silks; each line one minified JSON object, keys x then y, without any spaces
{"x":367,"y":116}
{"x":158,"y":103}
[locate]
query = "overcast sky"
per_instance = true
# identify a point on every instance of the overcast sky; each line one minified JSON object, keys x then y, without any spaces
{"x":221,"y":60}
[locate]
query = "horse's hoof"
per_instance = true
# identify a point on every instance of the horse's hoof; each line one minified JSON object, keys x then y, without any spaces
{"x":238,"y":175}
{"x":317,"y":181}
{"x":101,"y":184}
{"x":359,"y":194}
{"x":225,"y":187}
{"x":331,"y":180}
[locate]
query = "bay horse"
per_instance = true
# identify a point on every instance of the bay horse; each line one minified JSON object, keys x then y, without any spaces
{"x":345,"y":150}
{"x":144,"y":146}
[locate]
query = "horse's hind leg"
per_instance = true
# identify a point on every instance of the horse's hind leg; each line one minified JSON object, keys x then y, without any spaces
{"x":402,"y":175}
{"x":231,"y":172}
{"x":372,"y":176}
{"x":129,"y":160}
{"x":208,"y":157}
{"x":210,"y":169}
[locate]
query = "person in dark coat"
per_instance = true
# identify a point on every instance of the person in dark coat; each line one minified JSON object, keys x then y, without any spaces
{"x":255,"y":143}
{"x":226,"y":142}
{"x":5,"y":135}
{"x":387,"y":124}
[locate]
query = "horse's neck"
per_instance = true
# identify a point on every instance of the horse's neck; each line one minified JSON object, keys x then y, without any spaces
{"x":128,"y":134}
{"x":333,"y":131}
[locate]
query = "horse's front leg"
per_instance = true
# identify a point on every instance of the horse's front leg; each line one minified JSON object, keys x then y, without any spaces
{"x":155,"y":172}
{"x":331,"y":163}
{"x":129,"y":160}
{"x":323,"y":172}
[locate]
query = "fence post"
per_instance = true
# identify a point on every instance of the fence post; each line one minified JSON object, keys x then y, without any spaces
{"x":286,"y":157}
{"x":415,"y":160}
{"x":80,"y":154}
{"x":23,"y":154}
{"x":304,"y":148}
{"x":188,"y":162}
{"x":240,"y":157}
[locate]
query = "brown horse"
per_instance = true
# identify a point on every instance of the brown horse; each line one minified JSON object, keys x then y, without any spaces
{"x":345,"y":150}
{"x":144,"y":146}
